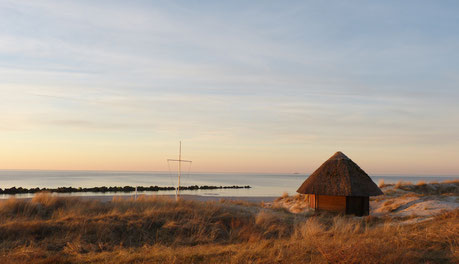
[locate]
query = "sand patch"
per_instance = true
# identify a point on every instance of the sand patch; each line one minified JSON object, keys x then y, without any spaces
{"x":407,"y":202}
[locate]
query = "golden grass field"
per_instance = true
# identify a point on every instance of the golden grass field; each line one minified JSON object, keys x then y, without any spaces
{"x":50,"y":229}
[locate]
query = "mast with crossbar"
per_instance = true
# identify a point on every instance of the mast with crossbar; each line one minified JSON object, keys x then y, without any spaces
{"x":179,"y":172}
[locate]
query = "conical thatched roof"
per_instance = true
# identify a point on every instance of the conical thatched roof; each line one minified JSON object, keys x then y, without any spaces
{"x":339,"y":175}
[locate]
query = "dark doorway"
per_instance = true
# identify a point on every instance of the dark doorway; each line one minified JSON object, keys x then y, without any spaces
{"x":358,"y":205}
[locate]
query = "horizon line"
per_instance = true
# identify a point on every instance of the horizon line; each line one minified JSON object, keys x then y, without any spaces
{"x":238,"y":172}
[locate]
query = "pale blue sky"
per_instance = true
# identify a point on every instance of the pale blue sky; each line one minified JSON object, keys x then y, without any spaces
{"x":247,"y":85}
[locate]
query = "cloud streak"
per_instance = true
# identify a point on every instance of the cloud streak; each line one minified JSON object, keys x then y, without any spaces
{"x":249,"y":75}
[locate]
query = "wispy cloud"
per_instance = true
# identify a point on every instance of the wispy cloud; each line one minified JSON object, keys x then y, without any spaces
{"x":264,"y":73}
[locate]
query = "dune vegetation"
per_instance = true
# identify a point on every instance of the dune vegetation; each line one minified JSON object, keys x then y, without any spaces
{"x":154,"y":229}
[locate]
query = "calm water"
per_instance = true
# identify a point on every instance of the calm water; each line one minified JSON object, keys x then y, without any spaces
{"x":263,"y":184}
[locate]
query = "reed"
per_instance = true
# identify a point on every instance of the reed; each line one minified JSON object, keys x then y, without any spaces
{"x":151,"y":229}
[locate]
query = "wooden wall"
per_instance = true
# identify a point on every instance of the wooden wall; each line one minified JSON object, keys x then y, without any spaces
{"x":312,"y":200}
{"x":328,"y":203}
{"x":341,"y":204}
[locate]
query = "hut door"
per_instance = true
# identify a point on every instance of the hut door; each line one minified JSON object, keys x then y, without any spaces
{"x":357,"y":205}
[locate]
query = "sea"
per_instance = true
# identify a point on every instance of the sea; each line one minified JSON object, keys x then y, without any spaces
{"x":262,"y":184}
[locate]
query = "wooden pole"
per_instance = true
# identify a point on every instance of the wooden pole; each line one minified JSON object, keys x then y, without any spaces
{"x":179,"y":171}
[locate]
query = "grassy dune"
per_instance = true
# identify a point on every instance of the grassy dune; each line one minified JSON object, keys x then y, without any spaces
{"x":49,"y":229}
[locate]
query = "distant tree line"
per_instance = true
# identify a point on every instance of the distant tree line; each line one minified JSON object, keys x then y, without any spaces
{"x":103,"y":189}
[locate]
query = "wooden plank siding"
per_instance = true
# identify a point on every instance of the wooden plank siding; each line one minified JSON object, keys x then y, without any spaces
{"x":331,"y":203}
{"x":312,"y":200}
{"x":342,"y":204}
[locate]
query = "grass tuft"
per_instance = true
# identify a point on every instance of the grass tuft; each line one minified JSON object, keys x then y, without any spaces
{"x":50,"y":229}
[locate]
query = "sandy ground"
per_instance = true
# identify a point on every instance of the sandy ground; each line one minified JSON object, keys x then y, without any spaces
{"x":108,"y":198}
{"x":252,"y":199}
{"x":410,"y":203}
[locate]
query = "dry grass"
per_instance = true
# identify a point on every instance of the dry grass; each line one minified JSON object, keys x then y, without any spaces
{"x":295,"y":204}
{"x":399,"y":184}
{"x":420,"y":183}
{"x":48,"y":229}
{"x":447,"y":187}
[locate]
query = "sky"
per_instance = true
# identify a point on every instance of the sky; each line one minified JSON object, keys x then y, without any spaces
{"x":248,"y":86}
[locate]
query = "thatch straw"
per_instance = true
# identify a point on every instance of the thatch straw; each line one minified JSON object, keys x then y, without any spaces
{"x":339,"y":175}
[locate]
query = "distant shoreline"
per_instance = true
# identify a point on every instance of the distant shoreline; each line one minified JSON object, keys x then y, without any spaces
{"x":115,"y":189}
{"x":192,"y":197}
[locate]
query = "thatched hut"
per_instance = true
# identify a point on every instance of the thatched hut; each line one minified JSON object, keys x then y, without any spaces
{"x":340,"y":185}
